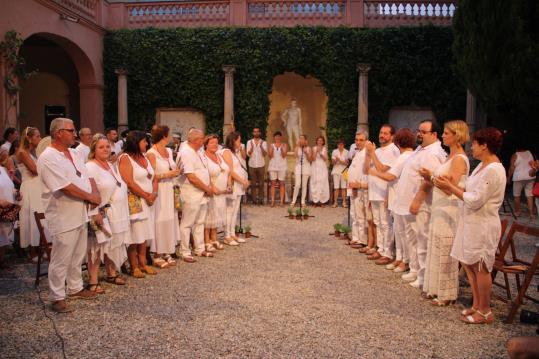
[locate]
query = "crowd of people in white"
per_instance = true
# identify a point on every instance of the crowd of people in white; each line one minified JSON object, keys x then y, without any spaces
{"x":109,"y":201}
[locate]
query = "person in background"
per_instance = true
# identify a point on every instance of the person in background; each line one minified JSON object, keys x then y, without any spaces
{"x":319,"y":173}
{"x":115,"y":145}
{"x":257,"y":149}
{"x":10,"y":135}
{"x":83,"y":149}
{"x":478,"y":230}
{"x":302,"y":170}
{"x":176,"y":143}
{"x":277,"y":166}
{"x":7,"y":199}
{"x":13,"y":164}
{"x":340,"y":160}
{"x":519,"y":173}
{"x":357,"y":183}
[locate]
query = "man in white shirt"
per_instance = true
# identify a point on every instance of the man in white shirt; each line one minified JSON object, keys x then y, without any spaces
{"x":10,"y":135}
{"x":414,"y":197}
{"x":195,"y":189}
{"x":357,"y":188}
{"x":83,"y":149}
{"x":67,"y":192}
{"x":382,"y":159}
{"x":115,"y":145}
{"x":257,"y":149}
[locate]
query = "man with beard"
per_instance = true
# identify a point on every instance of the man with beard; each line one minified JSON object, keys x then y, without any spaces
{"x":382,"y":159}
{"x":257,"y":149}
{"x":414,"y":198}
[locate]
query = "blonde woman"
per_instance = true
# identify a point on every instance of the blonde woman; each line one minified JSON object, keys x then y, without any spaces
{"x":441,"y":271}
{"x":30,"y":190}
{"x":112,"y":215}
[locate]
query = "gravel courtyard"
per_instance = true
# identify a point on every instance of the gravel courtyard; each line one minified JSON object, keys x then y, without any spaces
{"x":293,"y":292}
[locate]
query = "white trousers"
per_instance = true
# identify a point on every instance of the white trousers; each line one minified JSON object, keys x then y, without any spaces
{"x":360,"y":205}
{"x":193,"y":218}
{"x":384,"y":228}
{"x":232,"y":209}
{"x":68,"y":254}
{"x":399,"y":229}
{"x":304,"y":180}
{"x":417,"y":234}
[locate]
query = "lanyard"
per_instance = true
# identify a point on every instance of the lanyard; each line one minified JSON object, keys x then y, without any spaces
{"x":68,"y":155}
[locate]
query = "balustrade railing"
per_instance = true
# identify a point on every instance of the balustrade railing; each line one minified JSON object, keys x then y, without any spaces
{"x":289,"y":12}
{"x":84,"y":8}
{"x":407,"y":12}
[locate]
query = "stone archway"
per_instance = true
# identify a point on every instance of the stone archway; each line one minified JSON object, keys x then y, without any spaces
{"x":311,"y":99}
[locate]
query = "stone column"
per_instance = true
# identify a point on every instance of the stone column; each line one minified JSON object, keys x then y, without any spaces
{"x":123,"y":123}
{"x":228,"y":123}
{"x":363,"y":97}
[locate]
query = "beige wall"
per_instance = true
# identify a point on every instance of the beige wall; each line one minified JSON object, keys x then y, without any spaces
{"x":311,"y":98}
{"x":180,"y":120}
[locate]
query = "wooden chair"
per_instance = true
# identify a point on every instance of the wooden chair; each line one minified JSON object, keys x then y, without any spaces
{"x":43,"y":246}
{"x":515,"y":266}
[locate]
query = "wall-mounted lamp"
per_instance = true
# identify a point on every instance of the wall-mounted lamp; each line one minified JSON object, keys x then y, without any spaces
{"x":69,"y":18}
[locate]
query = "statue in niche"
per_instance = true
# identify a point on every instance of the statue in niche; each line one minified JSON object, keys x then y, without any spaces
{"x":291,"y":118}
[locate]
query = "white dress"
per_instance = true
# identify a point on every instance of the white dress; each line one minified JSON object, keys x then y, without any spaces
{"x":31,"y":202}
{"x":167,"y":226}
{"x":277,"y":162}
{"x":441,"y":274}
{"x":142,"y":224}
{"x":319,"y":178}
{"x":117,"y":213}
{"x":215,"y":217}
{"x":479,"y":229}
{"x":6,"y":193}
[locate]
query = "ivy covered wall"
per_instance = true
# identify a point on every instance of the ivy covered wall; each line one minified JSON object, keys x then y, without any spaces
{"x":410,"y":66}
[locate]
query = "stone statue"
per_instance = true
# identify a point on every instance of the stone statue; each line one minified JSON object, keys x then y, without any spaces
{"x":291,"y":118}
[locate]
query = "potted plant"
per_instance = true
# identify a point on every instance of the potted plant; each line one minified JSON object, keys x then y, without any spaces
{"x":337,"y":227}
{"x":238,"y":230}
{"x":305,"y":213}
{"x":298,"y":214}
{"x":346,"y":230}
{"x":247,"y":231}
{"x":290,"y":212}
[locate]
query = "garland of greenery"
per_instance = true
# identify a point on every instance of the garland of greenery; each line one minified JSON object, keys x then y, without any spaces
{"x":410,"y":66}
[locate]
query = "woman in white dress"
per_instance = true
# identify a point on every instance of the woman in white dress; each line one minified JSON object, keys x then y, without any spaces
{"x":112,"y":215}
{"x":519,"y":172}
{"x":167,"y":226}
{"x":30,"y":190}
{"x":319,"y":173}
{"x":302,"y":171}
{"x":137,"y":172}
{"x":233,"y":158}
{"x":277,"y":166}
{"x":7,"y":198}
{"x":222,"y":185}
{"x":479,"y":228}
{"x":339,"y":160}
{"x":441,"y":273}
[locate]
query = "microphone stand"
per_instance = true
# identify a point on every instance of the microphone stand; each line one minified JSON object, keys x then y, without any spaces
{"x":301,"y":183}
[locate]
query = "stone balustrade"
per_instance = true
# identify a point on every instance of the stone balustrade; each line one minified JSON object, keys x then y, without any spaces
{"x":85,"y":8}
{"x":407,"y":12}
{"x":264,"y":13}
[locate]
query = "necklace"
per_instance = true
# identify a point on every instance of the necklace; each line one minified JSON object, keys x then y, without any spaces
{"x":138,"y":159}
{"x":106,"y":167}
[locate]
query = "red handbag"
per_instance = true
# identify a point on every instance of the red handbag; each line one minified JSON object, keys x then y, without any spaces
{"x":535,"y":190}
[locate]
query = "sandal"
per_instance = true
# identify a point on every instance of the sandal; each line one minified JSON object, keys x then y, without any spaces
{"x":441,"y":303}
{"x":210,"y":248}
{"x":483,"y":318}
{"x":428,"y":296}
{"x":148,"y":270}
{"x":218,"y":245}
{"x":205,"y":254}
{"x":159,"y":263}
{"x":188,"y":259}
{"x":137,"y":273}
{"x":468,"y":311}
{"x":117,"y":279}
{"x":230,"y":242}
{"x":96,"y":288}
{"x":334,"y":205}
{"x":170,"y":261}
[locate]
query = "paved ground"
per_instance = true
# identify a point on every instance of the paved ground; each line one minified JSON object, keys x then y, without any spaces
{"x":295,"y":292}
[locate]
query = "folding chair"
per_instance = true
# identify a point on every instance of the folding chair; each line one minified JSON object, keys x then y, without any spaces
{"x":43,"y":246}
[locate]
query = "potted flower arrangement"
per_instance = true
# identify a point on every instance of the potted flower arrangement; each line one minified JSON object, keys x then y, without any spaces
{"x":238,"y":230}
{"x":298,"y":214}
{"x":346,"y":230}
{"x":305,"y":213}
{"x":247,"y":231}
{"x":337,"y":227}
{"x":290,"y":213}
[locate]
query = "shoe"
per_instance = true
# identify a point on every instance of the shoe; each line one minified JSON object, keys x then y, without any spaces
{"x":159,"y":262}
{"x":210,"y":248}
{"x":409,"y":277}
{"x":383,"y":261}
{"x":487,"y":318}
{"x":399,"y":269}
{"x":374,"y":256}
{"x":188,"y":259}
{"x":83,"y":294}
{"x":364,"y":250}
{"x":344,"y":205}
{"x":217,"y":245}
{"x":390,"y":266}
{"x":416,"y":284}
{"x":149,"y":270}
{"x":171,"y":261}
{"x":371,"y":251}
{"x":334,"y":205}
{"x":60,"y":306}
{"x":230,"y":242}
{"x":240,"y":240}
{"x":137,"y":273}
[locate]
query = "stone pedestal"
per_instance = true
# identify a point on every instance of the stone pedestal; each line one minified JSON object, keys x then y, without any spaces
{"x":228,"y":121}
{"x":363,"y":97}
{"x":122,"y":100}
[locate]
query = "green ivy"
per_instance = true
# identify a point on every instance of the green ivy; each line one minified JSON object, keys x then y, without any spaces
{"x":410,"y":66}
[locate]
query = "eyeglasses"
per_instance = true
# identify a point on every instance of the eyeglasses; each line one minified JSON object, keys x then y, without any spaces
{"x":72,"y":130}
{"x":423,"y":132}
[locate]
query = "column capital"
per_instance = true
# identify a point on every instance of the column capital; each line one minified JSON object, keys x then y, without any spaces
{"x":229,"y":69}
{"x":121,"y":72}
{"x":363,"y":68}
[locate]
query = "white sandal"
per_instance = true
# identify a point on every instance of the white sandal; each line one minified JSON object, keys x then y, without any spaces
{"x":483,"y":320}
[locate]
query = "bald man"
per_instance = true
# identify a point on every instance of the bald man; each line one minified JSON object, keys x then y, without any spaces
{"x":83,"y":149}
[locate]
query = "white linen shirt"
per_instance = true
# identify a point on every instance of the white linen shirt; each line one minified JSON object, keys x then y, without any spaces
{"x":194,"y":162}
{"x":256,"y":159}
{"x":396,"y":171}
{"x":337,"y":155}
{"x":378,"y":187}
{"x":63,"y":213}
{"x":430,"y":157}
{"x":355,"y":171}
{"x":83,"y":152}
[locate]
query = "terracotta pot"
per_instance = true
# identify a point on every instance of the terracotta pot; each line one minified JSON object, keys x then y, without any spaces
{"x":237,"y":234}
{"x":247,"y":234}
{"x":291,"y":216}
{"x":337,"y":234}
{"x":298,"y":217}
{"x":346,"y":236}
{"x":305,"y":216}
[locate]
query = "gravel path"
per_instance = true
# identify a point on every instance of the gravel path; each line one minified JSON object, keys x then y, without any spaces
{"x":294,"y":292}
